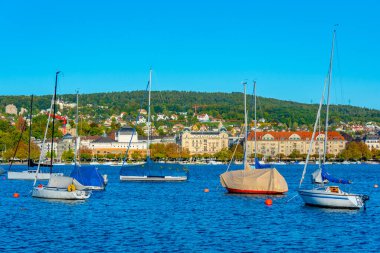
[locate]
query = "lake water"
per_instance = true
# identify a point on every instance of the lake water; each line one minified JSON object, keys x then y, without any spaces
{"x":181,"y":217}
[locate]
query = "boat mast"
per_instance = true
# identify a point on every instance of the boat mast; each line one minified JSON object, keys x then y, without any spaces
{"x":54,"y":111}
{"x":30,"y":128}
{"x":245,"y":123}
{"x":328,"y":97}
{"x":76,"y":131}
{"x":254,"y":92}
{"x":150,"y":87}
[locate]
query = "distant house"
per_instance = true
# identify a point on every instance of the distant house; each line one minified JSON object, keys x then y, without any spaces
{"x":177,"y":127}
{"x":11,"y":109}
{"x":203,"y":118}
{"x":161,"y":116}
{"x":142,"y":112}
{"x":141,"y":120}
{"x":174,"y":117}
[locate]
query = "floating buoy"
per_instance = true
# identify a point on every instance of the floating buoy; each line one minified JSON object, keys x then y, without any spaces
{"x":206,"y":190}
{"x":376,"y":186}
{"x":268,"y":202}
{"x":16,"y":195}
{"x":40,"y":186}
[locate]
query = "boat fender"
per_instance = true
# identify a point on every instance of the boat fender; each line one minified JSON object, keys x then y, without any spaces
{"x":71,"y":188}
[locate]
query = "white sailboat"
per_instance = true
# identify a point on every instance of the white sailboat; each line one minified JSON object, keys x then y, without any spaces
{"x":150,"y":170}
{"x":58,"y":187}
{"x":258,"y":180}
{"x":30,"y":173}
{"x":323,"y":195}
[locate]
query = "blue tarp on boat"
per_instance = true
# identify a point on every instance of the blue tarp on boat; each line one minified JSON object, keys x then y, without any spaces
{"x":153,"y":169}
{"x":88,"y":176}
{"x":330,"y":178}
{"x":261,"y":166}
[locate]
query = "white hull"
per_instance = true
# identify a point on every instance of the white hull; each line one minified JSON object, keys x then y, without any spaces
{"x":322,"y":198}
{"x":30,"y":175}
{"x":59,"y":193}
{"x":156,"y":179}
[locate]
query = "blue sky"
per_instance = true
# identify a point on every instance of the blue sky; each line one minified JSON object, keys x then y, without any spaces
{"x":104,"y":46}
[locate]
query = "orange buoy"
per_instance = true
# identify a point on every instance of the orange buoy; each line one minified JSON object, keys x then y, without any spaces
{"x":268,"y":202}
{"x":206,"y":190}
{"x":40,"y":186}
{"x":16,"y":195}
{"x":376,"y":186}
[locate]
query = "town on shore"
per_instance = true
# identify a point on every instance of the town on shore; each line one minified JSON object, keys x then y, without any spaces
{"x":190,"y":137}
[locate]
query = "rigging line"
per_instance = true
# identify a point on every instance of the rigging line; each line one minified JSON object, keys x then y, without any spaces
{"x":233,"y":154}
{"x":43,"y":143}
{"x":18,"y":143}
{"x":137,"y":118}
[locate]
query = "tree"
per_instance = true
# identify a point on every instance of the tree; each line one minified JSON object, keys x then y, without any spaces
{"x":68,"y":155}
{"x":295,"y":154}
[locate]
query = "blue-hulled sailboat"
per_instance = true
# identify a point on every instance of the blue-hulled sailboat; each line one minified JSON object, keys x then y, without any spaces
{"x":150,"y":170}
{"x":324,"y":195}
{"x":88,"y":176}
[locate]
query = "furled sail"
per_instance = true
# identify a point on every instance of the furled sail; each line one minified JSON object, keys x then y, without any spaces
{"x":261,"y":166}
{"x":330,"y":178}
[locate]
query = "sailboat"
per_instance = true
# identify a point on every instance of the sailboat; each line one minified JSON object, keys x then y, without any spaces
{"x":28,"y":174}
{"x":88,"y":176}
{"x":58,"y":187}
{"x":323,"y":195}
{"x":257,"y":180}
{"x":150,"y":170}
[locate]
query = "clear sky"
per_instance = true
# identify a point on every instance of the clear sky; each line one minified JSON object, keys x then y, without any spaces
{"x":197,"y":45}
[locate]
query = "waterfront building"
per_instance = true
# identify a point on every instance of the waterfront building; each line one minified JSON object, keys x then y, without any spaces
{"x":200,"y":142}
{"x":271,"y":144}
{"x":372,"y":141}
{"x":11,"y":109}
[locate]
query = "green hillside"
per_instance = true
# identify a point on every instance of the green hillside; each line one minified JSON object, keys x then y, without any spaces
{"x":227,"y":106}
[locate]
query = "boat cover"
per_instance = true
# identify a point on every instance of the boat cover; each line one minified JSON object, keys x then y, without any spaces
{"x":153,"y":169}
{"x":63,"y":182}
{"x":88,"y":176}
{"x":327,"y":176}
{"x":262,"y":180}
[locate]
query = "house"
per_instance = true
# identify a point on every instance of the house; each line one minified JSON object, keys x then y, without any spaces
{"x":203,"y":118}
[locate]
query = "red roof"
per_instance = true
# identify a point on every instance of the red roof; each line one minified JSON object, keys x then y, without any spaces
{"x":281,"y":136}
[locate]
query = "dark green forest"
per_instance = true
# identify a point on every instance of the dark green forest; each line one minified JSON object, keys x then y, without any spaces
{"x":227,"y":106}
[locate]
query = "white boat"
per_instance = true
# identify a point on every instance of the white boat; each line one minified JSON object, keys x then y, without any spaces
{"x":153,"y":178}
{"x":213,"y":162}
{"x":30,"y":175}
{"x":150,"y":170}
{"x":323,"y":195}
{"x":61,"y":188}
{"x":58,"y":187}
{"x":262,"y":179}
{"x":332,"y":197}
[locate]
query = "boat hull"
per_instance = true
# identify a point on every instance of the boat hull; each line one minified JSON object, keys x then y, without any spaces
{"x":30,"y":175}
{"x":230,"y":190}
{"x":321,"y":198}
{"x":59,"y":193}
{"x":155,"y":179}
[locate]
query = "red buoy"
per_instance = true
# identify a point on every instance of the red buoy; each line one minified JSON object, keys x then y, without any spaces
{"x":268,"y":202}
{"x":40,"y":186}
{"x":206,"y":190}
{"x":16,"y":195}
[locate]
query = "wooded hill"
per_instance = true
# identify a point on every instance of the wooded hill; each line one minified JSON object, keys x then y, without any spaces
{"x":227,"y":106}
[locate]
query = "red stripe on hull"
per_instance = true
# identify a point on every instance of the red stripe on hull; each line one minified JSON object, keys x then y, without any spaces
{"x":253,"y":192}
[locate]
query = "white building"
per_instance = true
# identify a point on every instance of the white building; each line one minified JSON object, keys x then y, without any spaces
{"x":11,"y":109}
